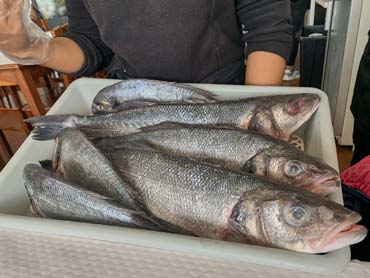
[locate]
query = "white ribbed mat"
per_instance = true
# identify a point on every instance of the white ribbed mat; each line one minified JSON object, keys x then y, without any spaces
{"x":31,"y":255}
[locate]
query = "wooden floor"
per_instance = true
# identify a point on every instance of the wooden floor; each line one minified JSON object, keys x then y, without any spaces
{"x":344,"y":157}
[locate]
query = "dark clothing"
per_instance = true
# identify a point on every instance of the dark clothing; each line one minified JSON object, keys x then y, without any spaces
{"x":361,"y":140}
{"x":298,"y":10}
{"x":184,"y":41}
{"x":360,"y":106}
{"x":357,"y":201}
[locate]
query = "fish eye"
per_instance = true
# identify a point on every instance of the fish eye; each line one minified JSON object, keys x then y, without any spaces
{"x":294,"y":106}
{"x":297,"y":215}
{"x":293,"y":168}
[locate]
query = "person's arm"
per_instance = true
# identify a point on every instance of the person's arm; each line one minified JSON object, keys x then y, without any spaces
{"x":265,"y":69}
{"x":267,"y":34}
{"x":80,"y":52}
{"x":82,"y":42}
{"x":60,"y":49}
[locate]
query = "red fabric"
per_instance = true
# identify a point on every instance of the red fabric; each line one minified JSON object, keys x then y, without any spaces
{"x":358,"y":176}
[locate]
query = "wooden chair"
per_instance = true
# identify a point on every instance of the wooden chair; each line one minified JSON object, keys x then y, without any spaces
{"x":11,"y":118}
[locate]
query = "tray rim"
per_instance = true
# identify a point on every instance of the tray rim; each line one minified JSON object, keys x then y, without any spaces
{"x":330,"y":263}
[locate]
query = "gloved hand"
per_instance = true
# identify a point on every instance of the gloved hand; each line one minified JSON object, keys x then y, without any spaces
{"x":21,"y":40}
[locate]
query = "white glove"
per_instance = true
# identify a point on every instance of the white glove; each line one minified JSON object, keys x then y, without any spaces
{"x":21,"y":40}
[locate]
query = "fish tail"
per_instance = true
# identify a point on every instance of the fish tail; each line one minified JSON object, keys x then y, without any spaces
{"x":48,"y":127}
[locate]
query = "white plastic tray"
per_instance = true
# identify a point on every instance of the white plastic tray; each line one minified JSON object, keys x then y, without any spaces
{"x":14,"y":203}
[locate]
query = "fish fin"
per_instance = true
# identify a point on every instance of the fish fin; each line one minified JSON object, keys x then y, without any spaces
{"x":139,"y":144}
{"x":47,"y":164}
{"x":197,"y":100}
{"x":48,"y":127}
{"x":248,"y":167}
{"x":134,"y":104}
{"x":207,"y":94}
{"x":165,"y":125}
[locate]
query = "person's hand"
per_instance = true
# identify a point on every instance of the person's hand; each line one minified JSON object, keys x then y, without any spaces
{"x":21,"y":39}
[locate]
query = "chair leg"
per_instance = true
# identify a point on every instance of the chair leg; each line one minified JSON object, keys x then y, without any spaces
{"x":50,"y":88}
{"x":5,"y":143}
{"x":13,"y":92}
{"x":5,"y":99}
{"x":2,"y":163}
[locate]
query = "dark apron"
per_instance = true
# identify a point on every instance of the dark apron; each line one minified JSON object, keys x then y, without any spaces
{"x":232,"y":74}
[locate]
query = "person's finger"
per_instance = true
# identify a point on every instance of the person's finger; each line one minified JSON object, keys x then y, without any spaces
{"x":4,"y":5}
{"x":15,"y":13}
{"x":4,"y":8}
{"x":16,"y":7}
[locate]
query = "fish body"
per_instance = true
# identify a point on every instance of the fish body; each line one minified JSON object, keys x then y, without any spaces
{"x":278,"y":116}
{"x":144,"y":92}
{"x":238,"y":150}
{"x":53,"y":197}
{"x":217,"y":204}
{"x":77,"y":160}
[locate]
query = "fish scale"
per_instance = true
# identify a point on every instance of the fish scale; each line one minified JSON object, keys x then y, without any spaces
{"x":225,"y":205}
{"x":143,"y":92}
{"x":188,"y":195}
{"x":54,"y":197}
{"x":265,"y":114}
{"x":231,"y":149}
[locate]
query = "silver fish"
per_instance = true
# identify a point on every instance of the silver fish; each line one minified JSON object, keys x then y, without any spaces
{"x":78,"y":161}
{"x":53,"y":197}
{"x":217,"y":204}
{"x":143,"y":92}
{"x":239,"y":150}
{"x":278,"y":116}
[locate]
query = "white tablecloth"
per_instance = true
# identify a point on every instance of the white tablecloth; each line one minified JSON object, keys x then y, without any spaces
{"x":31,"y":255}
{"x":4,"y":60}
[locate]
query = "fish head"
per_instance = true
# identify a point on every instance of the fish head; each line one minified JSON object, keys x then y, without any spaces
{"x":294,"y":167}
{"x":106,"y":99}
{"x":103,"y":105}
{"x":280,"y":116}
{"x":297,"y":220}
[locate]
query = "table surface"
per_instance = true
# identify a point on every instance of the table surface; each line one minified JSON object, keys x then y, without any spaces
{"x":5,"y":61}
{"x":32,"y":255}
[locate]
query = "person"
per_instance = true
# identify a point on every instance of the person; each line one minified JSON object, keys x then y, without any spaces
{"x":298,"y":10}
{"x":360,"y":108}
{"x":186,"y":41}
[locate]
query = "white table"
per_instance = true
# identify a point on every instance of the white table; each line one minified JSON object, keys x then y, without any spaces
{"x":33,"y":255}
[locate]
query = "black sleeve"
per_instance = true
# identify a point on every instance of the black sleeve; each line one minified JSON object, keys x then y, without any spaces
{"x":83,"y":31}
{"x":266,"y":25}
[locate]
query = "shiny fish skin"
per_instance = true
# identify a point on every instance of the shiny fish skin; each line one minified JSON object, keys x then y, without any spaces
{"x":278,"y":116}
{"x":218,"y":204}
{"x":77,"y":160}
{"x":239,"y":150}
{"x":53,"y":197}
{"x":129,"y":93}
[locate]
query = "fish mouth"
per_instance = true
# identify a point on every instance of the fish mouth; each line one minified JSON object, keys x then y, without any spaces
{"x":101,"y":107}
{"x":302,"y":120}
{"x":325,"y":185}
{"x":343,"y":234}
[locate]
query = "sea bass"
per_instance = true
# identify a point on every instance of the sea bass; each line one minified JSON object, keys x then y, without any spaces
{"x":224,"y":205}
{"x":53,"y":197}
{"x":143,"y":92}
{"x":239,"y":150}
{"x":77,"y":160}
{"x":278,"y":116}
